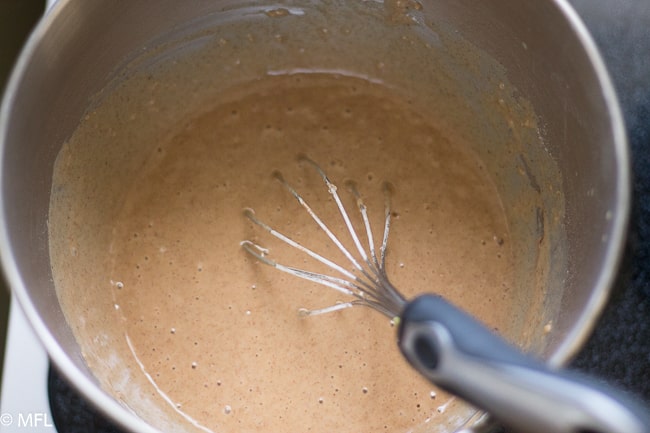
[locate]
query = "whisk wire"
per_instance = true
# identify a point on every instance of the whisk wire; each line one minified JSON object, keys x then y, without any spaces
{"x":352,"y":187}
{"x":250,"y":214}
{"x":388,"y":293}
{"x":333,"y":190}
{"x":317,"y":219}
{"x":387,"y":189}
{"x":342,"y":285}
{"x":371,"y":288}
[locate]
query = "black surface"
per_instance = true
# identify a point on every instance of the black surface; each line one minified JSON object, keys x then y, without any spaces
{"x":619,"y":350}
{"x":70,"y":412}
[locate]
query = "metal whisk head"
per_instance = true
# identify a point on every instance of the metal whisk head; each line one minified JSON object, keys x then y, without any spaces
{"x":365,"y":281}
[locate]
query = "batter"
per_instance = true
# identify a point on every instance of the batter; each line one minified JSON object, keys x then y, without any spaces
{"x":218,"y":335}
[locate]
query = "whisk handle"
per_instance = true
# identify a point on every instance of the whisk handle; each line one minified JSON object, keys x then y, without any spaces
{"x":459,"y":354}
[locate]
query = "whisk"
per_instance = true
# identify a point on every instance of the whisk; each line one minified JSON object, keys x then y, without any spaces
{"x":445,"y":344}
{"x":367,"y":283}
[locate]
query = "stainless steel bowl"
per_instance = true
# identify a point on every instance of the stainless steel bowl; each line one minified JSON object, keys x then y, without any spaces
{"x":545,"y":52}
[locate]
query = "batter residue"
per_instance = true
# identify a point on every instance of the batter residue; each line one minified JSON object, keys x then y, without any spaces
{"x":219,"y":335}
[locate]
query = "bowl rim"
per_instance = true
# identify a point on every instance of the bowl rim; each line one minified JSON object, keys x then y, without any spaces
{"x":570,"y":345}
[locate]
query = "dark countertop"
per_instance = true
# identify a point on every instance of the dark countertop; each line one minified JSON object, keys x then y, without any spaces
{"x":619,"y":349}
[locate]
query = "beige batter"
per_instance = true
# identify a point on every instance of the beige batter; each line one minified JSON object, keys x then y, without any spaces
{"x":219,"y":334}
